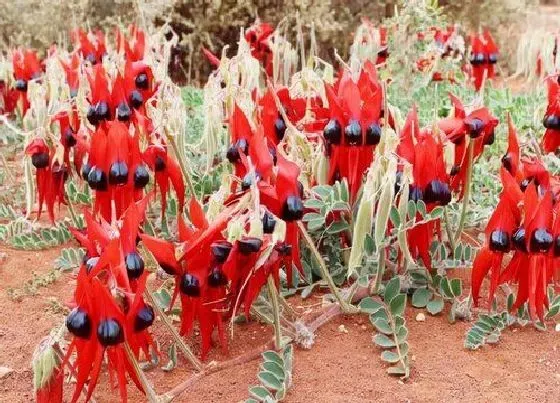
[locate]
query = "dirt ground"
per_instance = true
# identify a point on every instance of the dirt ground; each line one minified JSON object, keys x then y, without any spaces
{"x":341,"y":367}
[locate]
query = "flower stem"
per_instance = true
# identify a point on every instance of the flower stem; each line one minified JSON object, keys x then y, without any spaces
{"x":448,"y":229}
{"x":374,"y":289}
{"x":273,"y":294}
{"x":467,"y":191}
{"x":189,"y":355}
{"x":183,"y":165}
{"x":345,"y":306}
{"x":148,"y":389}
{"x":72,"y":212}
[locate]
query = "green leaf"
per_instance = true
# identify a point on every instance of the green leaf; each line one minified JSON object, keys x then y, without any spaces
{"x":172,"y":354}
{"x":435,"y":306}
{"x":398,"y":305}
{"x":392,"y":288}
{"x":369,"y":245}
{"x":421,"y":208}
{"x":274,"y":357}
{"x":314,"y":225}
{"x":458,"y":252}
{"x":313,"y":204}
{"x":369,"y":305}
{"x":396,"y":370}
{"x":337,"y":226}
{"x":311,"y":216}
{"x":411,"y":210}
{"x":260,"y":392}
{"x":383,"y":341}
{"x":421,"y":297}
{"x":325,"y":192}
{"x":269,"y":380}
{"x":382,"y":326}
{"x":390,"y":356}
{"x":395,"y":217}
{"x":445,"y":288}
{"x":437,"y":212}
{"x":275,"y":369}
{"x":456,"y":287}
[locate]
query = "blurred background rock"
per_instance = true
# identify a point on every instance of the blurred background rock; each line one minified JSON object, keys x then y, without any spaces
{"x":214,"y":23}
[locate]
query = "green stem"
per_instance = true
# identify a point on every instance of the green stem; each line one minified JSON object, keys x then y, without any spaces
{"x":73,"y":216}
{"x":448,"y":229}
{"x":273,"y":294}
{"x":379,"y":274}
{"x":467,"y":191}
{"x":183,"y":165}
{"x":189,"y":355}
{"x":346,"y":308}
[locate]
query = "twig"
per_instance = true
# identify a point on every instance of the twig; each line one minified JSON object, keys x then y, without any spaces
{"x":273,"y":294}
{"x":214,"y":367}
{"x":189,"y":355}
{"x":148,"y":389}
{"x":467,"y":191}
{"x":324,"y":271}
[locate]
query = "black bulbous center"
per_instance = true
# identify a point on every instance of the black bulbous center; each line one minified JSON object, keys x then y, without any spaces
{"x":249,"y":179}
{"x":475,"y":127}
{"x":136,"y":99}
{"x":142,"y":81}
{"x":437,"y":192}
{"x":292,"y":209}
{"x":477,"y":58}
{"x":493,"y":58}
{"x":102,"y":111}
{"x":85,"y":170}
{"x":507,"y":162}
{"x":97,"y":179}
{"x":333,"y":132}
{"x":40,"y":160}
{"x":541,"y":240}
{"x":353,"y":133}
{"x":373,"y":134}
{"x":134,"y":265}
{"x":118,"y":173}
{"x":518,"y":240}
{"x":123,"y":112}
{"x":110,"y":332}
{"x":141,"y":177}
{"x":249,"y":245}
{"x":216,"y":277}
{"x":220,"y":250}
{"x":78,"y":323}
{"x":557,"y":246}
{"x":21,"y":85}
{"x":279,"y":128}
{"x":415,"y":193}
{"x":190,"y":285}
{"x":552,"y":122}
{"x":69,"y":138}
{"x":144,"y":318}
{"x":159,"y":164}
{"x":454,"y":170}
{"x":499,"y":241}
{"x":268,"y":223}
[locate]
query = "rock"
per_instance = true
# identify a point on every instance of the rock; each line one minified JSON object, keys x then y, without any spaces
{"x":5,"y":371}
{"x":342,"y":329}
{"x":557,"y":327}
{"x":420,"y":317}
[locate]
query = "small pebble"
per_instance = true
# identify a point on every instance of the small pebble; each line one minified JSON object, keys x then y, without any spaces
{"x":342,"y":329}
{"x":420,"y":317}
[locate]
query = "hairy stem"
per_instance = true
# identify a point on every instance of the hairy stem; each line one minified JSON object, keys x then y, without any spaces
{"x":189,"y":355}
{"x":467,"y":191}
{"x":148,"y":389}
{"x":374,"y":288}
{"x":72,"y":212}
{"x":448,"y":229}
{"x":182,"y":164}
{"x":273,"y":294}
{"x":324,"y":271}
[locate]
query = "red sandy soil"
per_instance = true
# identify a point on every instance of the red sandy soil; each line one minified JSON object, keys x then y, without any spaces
{"x":341,"y":367}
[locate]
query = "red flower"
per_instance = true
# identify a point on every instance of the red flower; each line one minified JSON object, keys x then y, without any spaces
{"x":91,"y":46}
{"x":258,"y":38}
{"x":484,"y":54}
{"x":353,"y":130}
{"x":431,"y":183}
{"x":132,"y":47}
{"x":72,"y":71}
{"x":551,"y":139}
{"x":478,"y":127}
{"x":26,"y":67}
